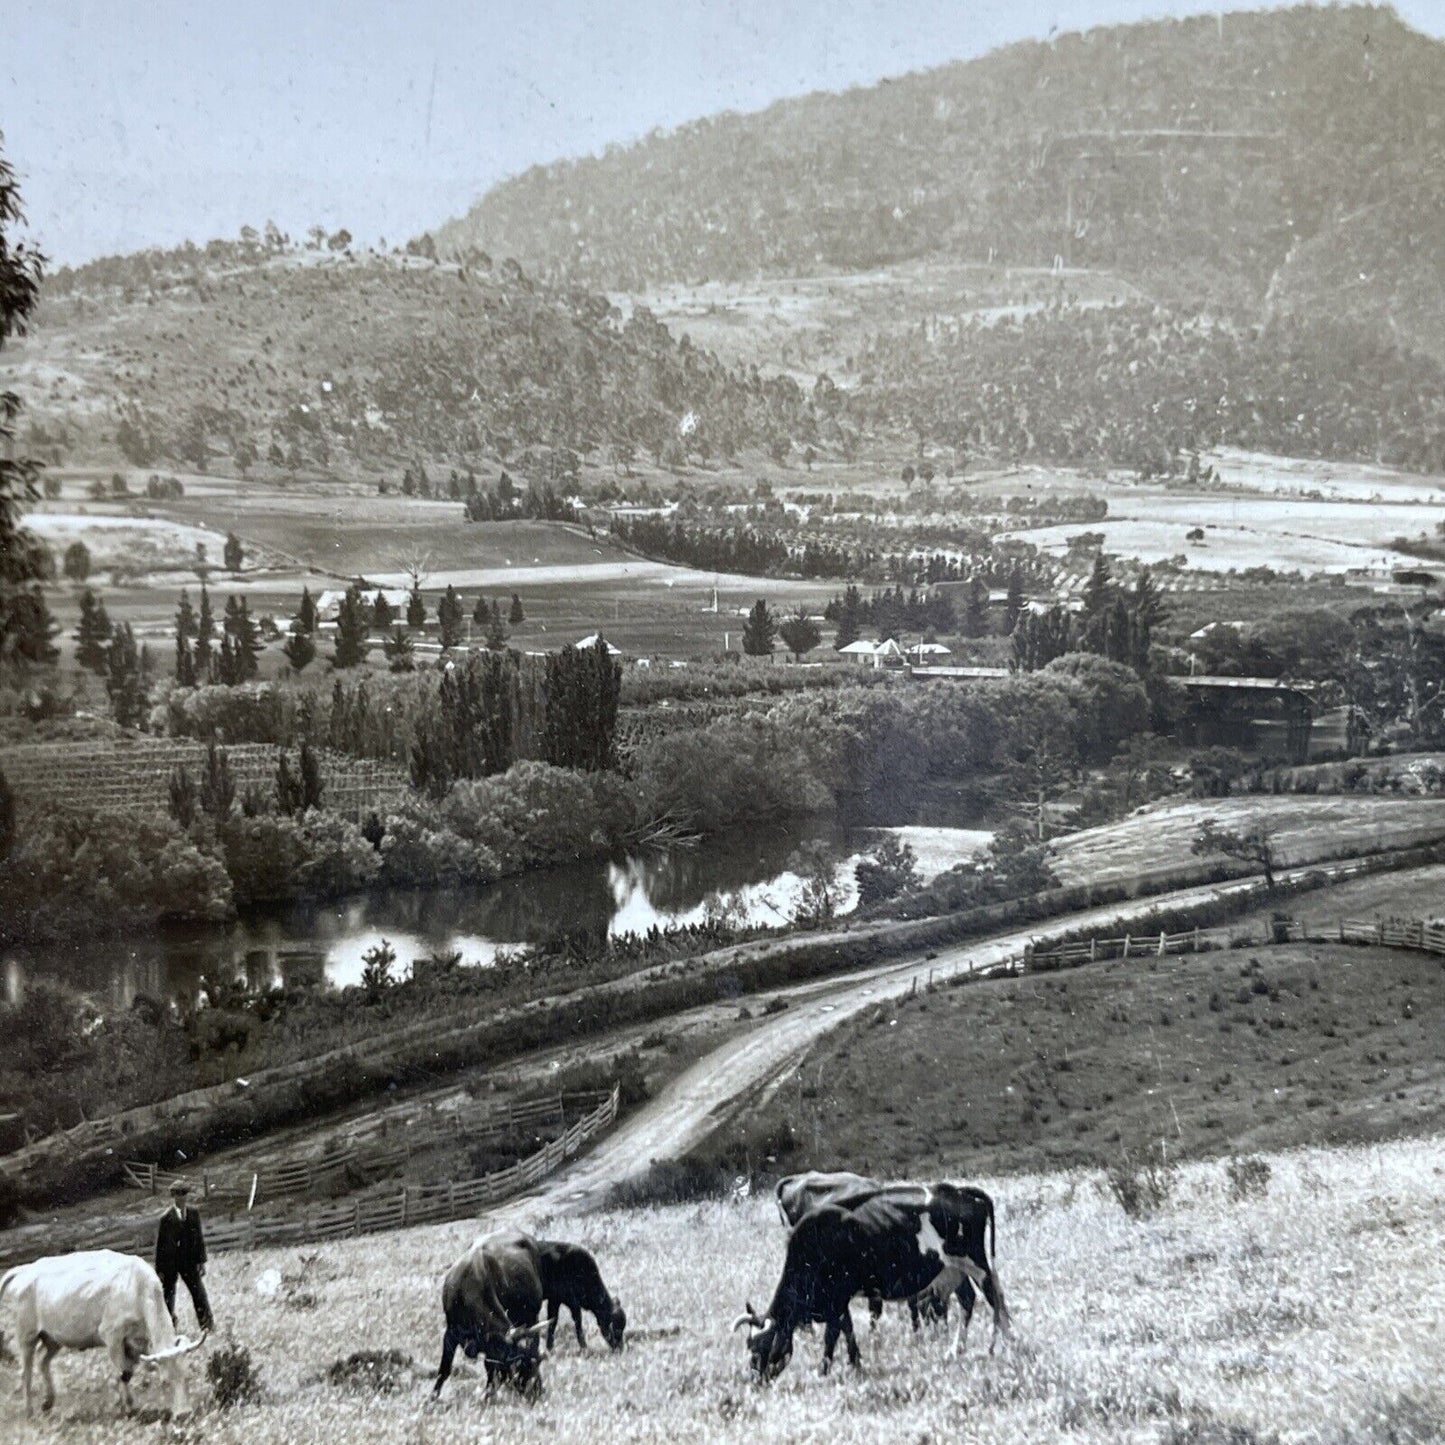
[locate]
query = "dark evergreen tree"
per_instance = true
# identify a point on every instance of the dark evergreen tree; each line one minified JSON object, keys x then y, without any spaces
{"x":761,"y":631}
{"x":1014,"y":605}
{"x":382,"y":612}
{"x":583,"y":686}
{"x":415,"y":608}
{"x":450,"y":618}
{"x":183,"y":802}
{"x":850,"y":618}
{"x":975,"y":614}
{"x":246,"y":642}
{"x":398,"y":651}
{"x":352,"y":641}
{"x":800,"y":633}
{"x":306,"y":613}
{"x":124,"y":679}
{"x":205,"y":634}
{"x":92,"y":636}
{"x":299,"y":650}
{"x":516,"y":616}
{"x":217,"y":792}
{"x":234,"y":554}
{"x":496,"y":630}
{"x":482,"y":613}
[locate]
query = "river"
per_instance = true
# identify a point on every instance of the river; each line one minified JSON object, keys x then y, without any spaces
{"x":744,"y":874}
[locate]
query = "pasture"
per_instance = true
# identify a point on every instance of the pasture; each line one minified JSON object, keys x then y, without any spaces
{"x":1309,"y":1308}
{"x":1304,"y":829}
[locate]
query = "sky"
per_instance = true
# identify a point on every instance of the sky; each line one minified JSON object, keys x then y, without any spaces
{"x":133,"y":123}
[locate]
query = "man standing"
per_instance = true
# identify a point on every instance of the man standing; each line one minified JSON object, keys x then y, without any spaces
{"x":181,"y":1253}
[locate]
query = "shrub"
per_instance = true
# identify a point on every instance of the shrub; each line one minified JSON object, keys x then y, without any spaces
{"x":1248,"y":1178}
{"x":1142,"y":1186}
{"x":375,"y":1372}
{"x":232,"y":1375}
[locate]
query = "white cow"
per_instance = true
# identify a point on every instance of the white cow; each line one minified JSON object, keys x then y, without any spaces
{"x":96,"y":1298}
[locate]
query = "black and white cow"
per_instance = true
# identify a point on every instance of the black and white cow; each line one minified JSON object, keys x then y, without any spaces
{"x":570,"y":1277}
{"x":492,"y":1297}
{"x":798,"y":1193}
{"x":894,"y":1241}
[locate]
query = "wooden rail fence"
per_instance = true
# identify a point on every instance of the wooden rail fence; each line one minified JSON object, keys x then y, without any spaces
{"x":1419,"y":933}
{"x":412,"y":1205}
{"x":1145,"y":945}
{"x":374,"y":1148}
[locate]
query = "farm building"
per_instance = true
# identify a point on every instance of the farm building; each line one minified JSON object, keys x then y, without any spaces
{"x":1256,"y":713}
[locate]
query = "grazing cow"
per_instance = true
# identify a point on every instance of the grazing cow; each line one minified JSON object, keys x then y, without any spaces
{"x":491,"y":1298}
{"x":896,"y":1241}
{"x":92,"y":1299}
{"x":570,"y":1277}
{"x":798,"y":1193}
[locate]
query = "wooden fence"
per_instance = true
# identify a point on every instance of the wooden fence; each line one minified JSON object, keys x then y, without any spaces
{"x":374,"y":1148}
{"x":1157,"y":945}
{"x":1417,"y":933}
{"x":372,"y":1214}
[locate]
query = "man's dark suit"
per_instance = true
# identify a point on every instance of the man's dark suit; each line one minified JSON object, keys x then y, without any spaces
{"x":181,"y":1253}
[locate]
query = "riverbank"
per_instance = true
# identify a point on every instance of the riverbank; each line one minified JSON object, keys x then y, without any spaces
{"x":208,"y":1119}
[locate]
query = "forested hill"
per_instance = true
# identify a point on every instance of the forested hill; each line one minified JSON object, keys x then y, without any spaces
{"x":233,"y":356}
{"x":1194,"y":155}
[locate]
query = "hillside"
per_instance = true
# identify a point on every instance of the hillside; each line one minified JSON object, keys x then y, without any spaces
{"x":1193,"y":153}
{"x":293,"y":363}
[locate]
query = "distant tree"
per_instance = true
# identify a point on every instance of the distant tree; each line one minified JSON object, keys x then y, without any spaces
{"x":1252,"y":844}
{"x":450,"y":618}
{"x":975,"y":613}
{"x":377,"y":964}
{"x":850,"y":618}
{"x":306,"y":617}
{"x":482,"y":612}
{"x":92,"y":636}
{"x":77,"y":562}
{"x":888,"y":868}
{"x":1098,"y":593}
{"x":124,"y":677}
{"x":352,"y":641}
{"x":246,"y":642}
{"x":234,"y":554}
{"x":299,"y":650}
{"x":382,"y":613}
{"x":398,"y":649}
{"x":183,"y":802}
{"x":820,"y":893}
{"x":205,"y":633}
{"x":760,"y":632}
{"x":185,"y":672}
{"x":1014,"y":605}
{"x":799,"y":633}
{"x":217,"y":793}
{"x":415,"y":608}
{"x":496,"y":630}
{"x":516,"y":616}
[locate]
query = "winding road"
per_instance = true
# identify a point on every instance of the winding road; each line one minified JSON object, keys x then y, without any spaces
{"x":695,"y":1103}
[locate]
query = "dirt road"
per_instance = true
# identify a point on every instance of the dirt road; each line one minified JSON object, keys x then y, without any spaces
{"x":687,"y":1110}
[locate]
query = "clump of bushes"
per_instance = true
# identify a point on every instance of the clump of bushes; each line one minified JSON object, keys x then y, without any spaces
{"x":372,"y":1372}
{"x":232,"y":1375}
{"x":1248,"y":1178}
{"x":1142,"y":1186}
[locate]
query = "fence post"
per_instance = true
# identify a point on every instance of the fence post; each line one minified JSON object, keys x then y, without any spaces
{"x":1127,"y":938}
{"x":1196,"y":938}
{"x":1162,"y":938}
{"x":1093,"y":950}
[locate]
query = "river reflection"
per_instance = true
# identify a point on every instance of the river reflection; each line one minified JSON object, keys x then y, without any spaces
{"x":743,"y":876}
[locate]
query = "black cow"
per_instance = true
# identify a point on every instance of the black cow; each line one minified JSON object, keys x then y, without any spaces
{"x":570,"y":1277}
{"x":895,"y":1241}
{"x":798,"y":1193}
{"x":491,"y":1297}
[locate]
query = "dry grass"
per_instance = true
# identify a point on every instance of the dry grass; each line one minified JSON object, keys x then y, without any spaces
{"x":1306,"y":829}
{"x":1312,"y":1313}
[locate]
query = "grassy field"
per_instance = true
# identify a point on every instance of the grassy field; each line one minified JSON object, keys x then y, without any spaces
{"x":1309,"y":1312}
{"x":1236,"y":1049}
{"x":1305,"y":829}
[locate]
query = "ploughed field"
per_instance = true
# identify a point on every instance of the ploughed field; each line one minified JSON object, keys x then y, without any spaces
{"x":1309,"y":1307}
